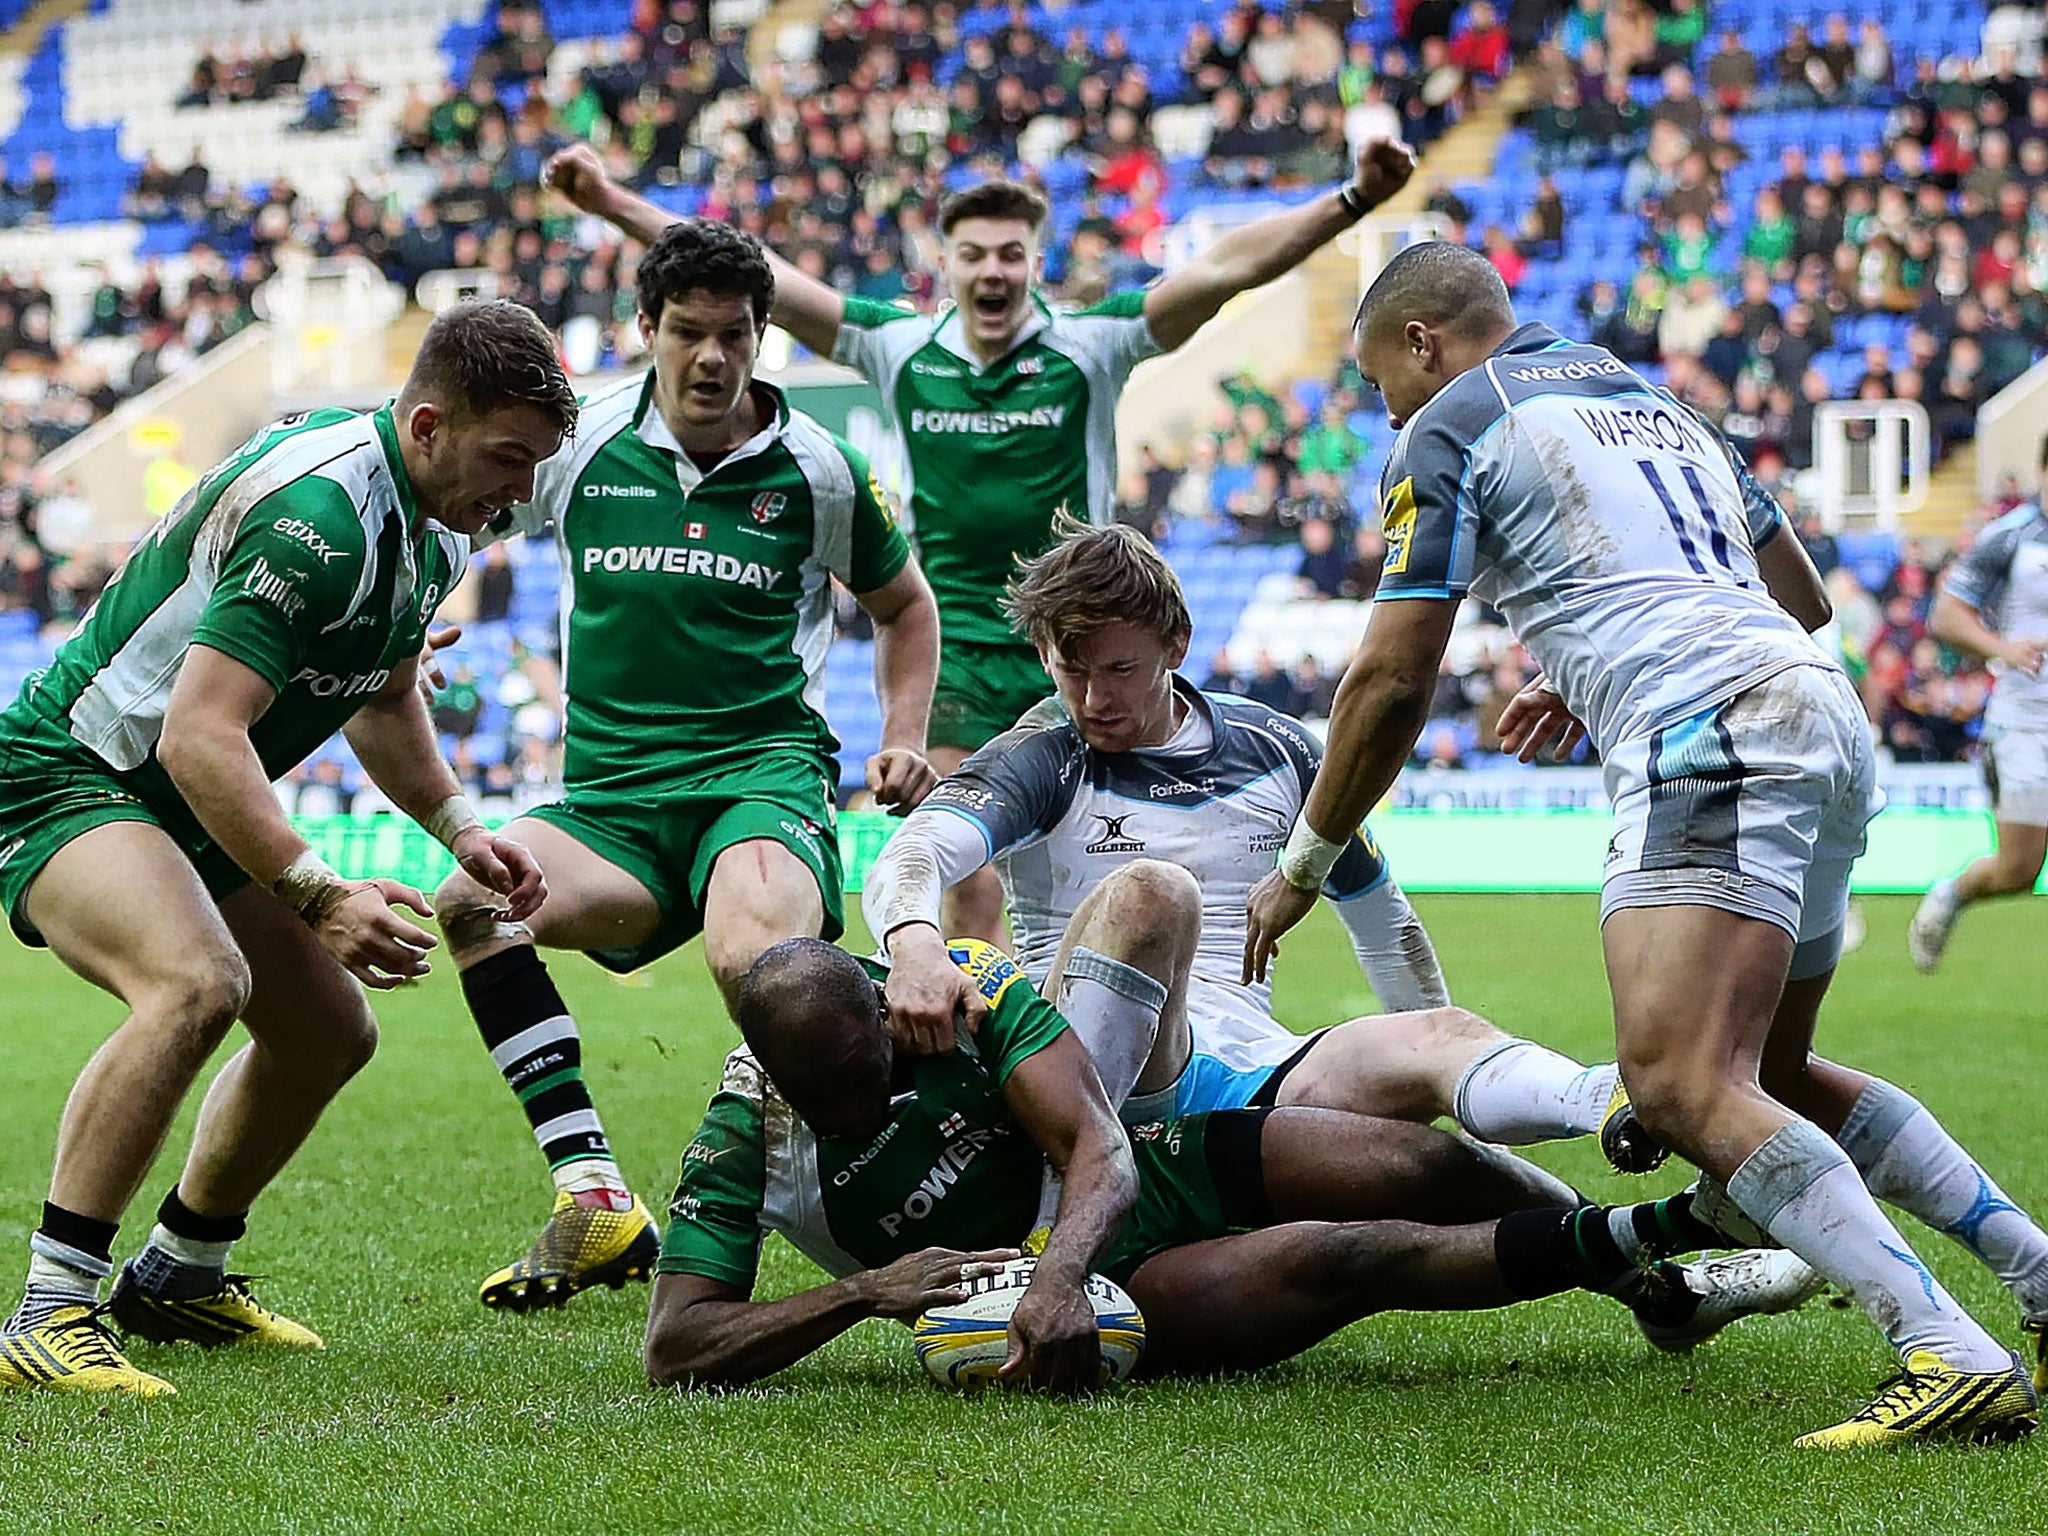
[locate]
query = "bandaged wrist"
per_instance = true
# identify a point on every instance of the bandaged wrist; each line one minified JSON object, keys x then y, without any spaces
{"x":1306,"y":861}
{"x":448,"y":820}
{"x":310,"y":887}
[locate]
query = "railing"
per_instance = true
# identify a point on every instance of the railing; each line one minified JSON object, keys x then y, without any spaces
{"x":1872,"y":459}
{"x":1378,"y":237}
{"x":329,"y":316}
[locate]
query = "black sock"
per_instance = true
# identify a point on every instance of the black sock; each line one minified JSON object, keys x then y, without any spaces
{"x":176,"y":1216}
{"x":1666,"y":1227}
{"x":1541,"y":1253}
{"x":83,"y":1234}
{"x":515,"y":1004}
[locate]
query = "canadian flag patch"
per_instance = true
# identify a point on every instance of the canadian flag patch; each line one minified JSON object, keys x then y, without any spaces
{"x":693,"y":530}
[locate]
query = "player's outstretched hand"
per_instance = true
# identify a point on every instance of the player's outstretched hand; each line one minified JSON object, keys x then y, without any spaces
{"x":1384,"y":166}
{"x":1054,"y":1343}
{"x":432,"y":678}
{"x":504,"y":866}
{"x":579,"y":175}
{"x":374,"y":944}
{"x":931,"y":1277}
{"x":899,"y":779}
{"x":1274,"y":906}
{"x":1533,"y":717}
{"x":2027,"y":655}
{"x":928,"y":995}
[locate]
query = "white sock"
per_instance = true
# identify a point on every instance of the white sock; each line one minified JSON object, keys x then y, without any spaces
{"x":1113,"y":1009}
{"x":1801,"y":1188}
{"x":590,"y":1173}
{"x":1908,"y":1159}
{"x":1517,"y":1091}
{"x":189,"y":1250}
{"x":54,"y":1283}
{"x":1943,"y":894}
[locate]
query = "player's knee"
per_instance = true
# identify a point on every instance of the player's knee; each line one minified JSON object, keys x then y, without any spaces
{"x":1671,"y":1103}
{"x":353,"y":1043}
{"x":1149,"y":908}
{"x":198,"y":1002}
{"x":1435,"y":1030}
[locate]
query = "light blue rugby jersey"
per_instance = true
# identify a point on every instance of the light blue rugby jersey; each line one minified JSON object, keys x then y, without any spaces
{"x":1058,"y":815}
{"x":2004,"y":576}
{"x":1615,"y":530}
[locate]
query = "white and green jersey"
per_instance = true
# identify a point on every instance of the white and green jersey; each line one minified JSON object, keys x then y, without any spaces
{"x":996,"y":451}
{"x":696,"y":610}
{"x":303,"y":556}
{"x":951,"y":1169}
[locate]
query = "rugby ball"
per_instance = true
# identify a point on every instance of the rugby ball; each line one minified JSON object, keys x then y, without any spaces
{"x":963,"y":1343}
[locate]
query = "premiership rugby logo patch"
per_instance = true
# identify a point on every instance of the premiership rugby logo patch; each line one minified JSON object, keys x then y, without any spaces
{"x":768,"y":506}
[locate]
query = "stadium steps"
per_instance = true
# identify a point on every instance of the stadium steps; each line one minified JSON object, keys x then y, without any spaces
{"x":402,"y":343}
{"x":1952,"y":499}
{"x":27,"y":35}
{"x":1465,"y":153}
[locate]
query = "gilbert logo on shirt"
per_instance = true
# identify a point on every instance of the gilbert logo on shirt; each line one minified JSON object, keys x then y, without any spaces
{"x":768,"y":506}
{"x":1113,"y":839}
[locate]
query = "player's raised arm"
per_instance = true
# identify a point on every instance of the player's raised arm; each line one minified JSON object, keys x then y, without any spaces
{"x":1256,"y":253}
{"x":808,"y":309}
{"x":1059,"y":1101}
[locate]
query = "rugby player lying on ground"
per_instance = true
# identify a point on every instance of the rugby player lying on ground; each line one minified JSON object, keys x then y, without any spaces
{"x":1244,"y":1236}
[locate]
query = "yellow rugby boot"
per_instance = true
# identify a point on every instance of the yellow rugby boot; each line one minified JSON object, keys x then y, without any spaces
{"x":1930,"y":1400}
{"x":1628,"y":1147}
{"x":73,"y":1350}
{"x":230,"y":1315}
{"x":581,"y":1246}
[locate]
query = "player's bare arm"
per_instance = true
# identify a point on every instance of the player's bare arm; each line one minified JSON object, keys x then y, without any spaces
{"x":1257,"y":253}
{"x":927,"y":993}
{"x":806,"y":308}
{"x":205,"y":748}
{"x":704,"y":1333}
{"x":906,"y":670}
{"x":1381,"y":705}
{"x":1956,"y":623}
{"x":1059,"y":1101}
{"x":1793,"y":582}
{"x":393,"y":737}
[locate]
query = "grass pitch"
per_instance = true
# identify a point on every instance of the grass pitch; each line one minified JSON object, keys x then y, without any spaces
{"x":428,"y":1413}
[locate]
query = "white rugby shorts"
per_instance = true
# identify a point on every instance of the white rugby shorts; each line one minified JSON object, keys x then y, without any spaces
{"x":2016,"y":772}
{"x":1756,"y":806}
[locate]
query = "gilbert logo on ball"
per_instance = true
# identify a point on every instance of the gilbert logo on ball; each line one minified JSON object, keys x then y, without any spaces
{"x":964,"y":1343}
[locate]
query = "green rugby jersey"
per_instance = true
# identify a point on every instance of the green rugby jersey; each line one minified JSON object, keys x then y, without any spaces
{"x":303,"y":556}
{"x":951,"y":1169}
{"x":696,"y":612}
{"x":994,"y":452}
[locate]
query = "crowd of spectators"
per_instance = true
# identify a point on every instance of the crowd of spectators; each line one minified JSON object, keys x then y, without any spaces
{"x":840,"y":161}
{"x":1941,"y":229}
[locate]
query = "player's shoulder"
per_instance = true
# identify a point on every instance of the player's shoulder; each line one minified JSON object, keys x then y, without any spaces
{"x":604,"y":413}
{"x":992,"y":972}
{"x":2024,"y":524}
{"x":1258,"y":732}
{"x":742,"y":1078}
{"x":1445,"y":429}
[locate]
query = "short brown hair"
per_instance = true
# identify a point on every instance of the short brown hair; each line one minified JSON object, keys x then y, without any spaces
{"x":483,"y":355}
{"x":1093,"y":578}
{"x":994,"y":200}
